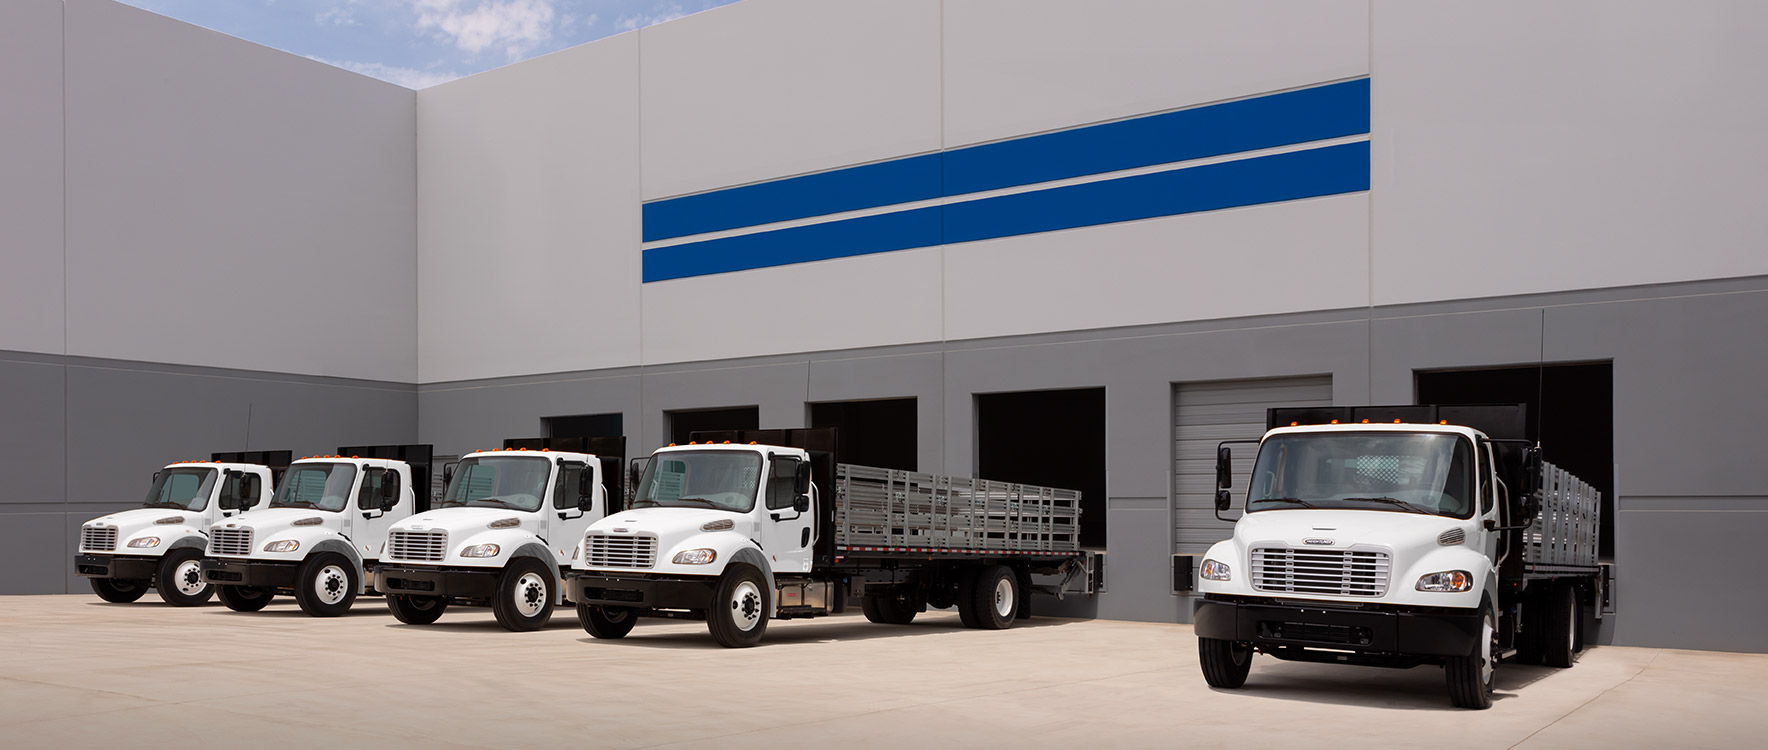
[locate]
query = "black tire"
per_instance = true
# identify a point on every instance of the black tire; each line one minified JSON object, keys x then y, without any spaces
{"x":967,"y":595}
{"x":1024,"y":579}
{"x":179,"y":578}
{"x":524,"y":598}
{"x":1225,"y":663}
{"x":416,"y":610}
{"x":994,"y":598}
{"x":1561,"y":616}
{"x":739,"y":612}
{"x":888,"y":608}
{"x":1528,"y":640}
{"x":606,"y":622}
{"x":244,"y":598}
{"x":325,"y":585}
{"x":117,"y":590}
{"x":1470,"y":676}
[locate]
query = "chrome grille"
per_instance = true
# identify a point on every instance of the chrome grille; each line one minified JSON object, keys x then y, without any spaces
{"x":98,"y":538}
{"x":609,"y":551}
{"x":1320,"y":571}
{"x":429,"y":546}
{"x":225,"y":541}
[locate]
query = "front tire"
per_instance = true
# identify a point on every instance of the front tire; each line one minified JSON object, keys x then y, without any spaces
{"x":606,"y":622}
{"x":245,"y":598}
{"x":994,"y":601}
{"x":1470,"y":677}
{"x":524,"y":600}
{"x":117,"y":590}
{"x":179,"y":578}
{"x":416,"y":610}
{"x":1559,"y":626}
{"x":888,"y":609}
{"x":1225,"y":663}
{"x":739,"y":612}
{"x":325,"y":586}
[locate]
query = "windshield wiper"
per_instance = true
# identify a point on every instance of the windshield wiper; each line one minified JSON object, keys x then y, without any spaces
{"x":1295,"y":500}
{"x":500,"y":502}
{"x":295,"y":504}
{"x":166,"y":504}
{"x":709,"y":503}
{"x":1396,"y":502}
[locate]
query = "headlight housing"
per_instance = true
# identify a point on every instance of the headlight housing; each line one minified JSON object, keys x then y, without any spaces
{"x":282,"y":545}
{"x":695,"y":556}
{"x":480,"y":550}
{"x":1448,"y":581}
{"x":1215,"y":571}
{"x":146,"y":541}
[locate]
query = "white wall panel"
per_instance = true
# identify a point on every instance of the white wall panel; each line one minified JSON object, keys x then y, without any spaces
{"x":1021,"y":66}
{"x":769,"y":88}
{"x":30,"y":176}
{"x":1285,"y":257}
{"x":235,"y":206}
{"x":869,"y":300}
{"x":1530,"y":147}
{"x":529,"y":211}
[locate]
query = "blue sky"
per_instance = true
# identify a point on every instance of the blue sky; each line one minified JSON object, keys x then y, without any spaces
{"x":418,"y":43}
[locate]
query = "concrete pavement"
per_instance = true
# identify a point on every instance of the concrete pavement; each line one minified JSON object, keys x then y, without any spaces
{"x":81,"y":673}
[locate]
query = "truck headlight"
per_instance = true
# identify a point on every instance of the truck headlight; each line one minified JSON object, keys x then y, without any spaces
{"x":1216,"y":571}
{"x":282,"y":545}
{"x":695,"y":557}
{"x":146,"y":541}
{"x":480,"y":550}
{"x":1448,"y":580}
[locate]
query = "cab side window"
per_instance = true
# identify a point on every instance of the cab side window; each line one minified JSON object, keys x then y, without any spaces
{"x":246,"y":487}
{"x":369,"y":497}
{"x":781,"y":481}
{"x":565,"y":491}
{"x":1488,"y":498}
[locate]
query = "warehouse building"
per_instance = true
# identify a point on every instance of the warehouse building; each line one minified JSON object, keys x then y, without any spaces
{"x":1037,"y":241}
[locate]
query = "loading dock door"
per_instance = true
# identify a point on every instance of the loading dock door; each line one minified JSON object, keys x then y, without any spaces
{"x":1206,"y":413}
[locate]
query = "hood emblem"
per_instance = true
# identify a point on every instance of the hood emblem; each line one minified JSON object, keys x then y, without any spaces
{"x":620,"y":531}
{"x":1318,"y":540}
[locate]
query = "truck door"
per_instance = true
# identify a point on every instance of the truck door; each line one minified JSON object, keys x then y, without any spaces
{"x":369,"y":530}
{"x":1490,"y":502}
{"x":787,"y":533}
{"x":569,"y":518}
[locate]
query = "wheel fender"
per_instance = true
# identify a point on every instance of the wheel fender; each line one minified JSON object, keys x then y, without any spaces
{"x":751,"y":556}
{"x":200,"y":543}
{"x":343,"y":548}
{"x":539,"y":552}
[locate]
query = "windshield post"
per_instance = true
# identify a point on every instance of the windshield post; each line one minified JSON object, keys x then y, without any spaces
{"x":1408,"y":472}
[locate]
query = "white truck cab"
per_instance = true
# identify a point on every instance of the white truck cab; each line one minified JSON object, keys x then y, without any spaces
{"x":321,"y":533}
{"x":504,"y":532}
{"x":160,"y":545}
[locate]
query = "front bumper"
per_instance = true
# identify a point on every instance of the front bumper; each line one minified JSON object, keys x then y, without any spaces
{"x":640,"y":593}
{"x":115,"y":566}
{"x":255,"y":573}
{"x":1369,"y":631}
{"x":461,"y":583}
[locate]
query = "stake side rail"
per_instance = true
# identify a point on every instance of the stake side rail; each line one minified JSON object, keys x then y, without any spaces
{"x":889,"y":510}
{"x":1563,"y":536}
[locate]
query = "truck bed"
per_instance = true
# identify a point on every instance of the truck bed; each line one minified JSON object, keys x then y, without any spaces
{"x":904,"y":512}
{"x":1563,"y":538}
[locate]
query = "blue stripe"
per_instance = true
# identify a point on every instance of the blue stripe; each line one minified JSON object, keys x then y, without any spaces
{"x":1331,"y":170}
{"x":1292,"y":117}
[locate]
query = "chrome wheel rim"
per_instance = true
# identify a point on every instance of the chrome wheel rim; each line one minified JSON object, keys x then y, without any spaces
{"x":188,"y":578}
{"x":1488,"y":634}
{"x":332,"y":584}
{"x":746,"y":606}
{"x":1003,"y":597}
{"x":530,"y":594}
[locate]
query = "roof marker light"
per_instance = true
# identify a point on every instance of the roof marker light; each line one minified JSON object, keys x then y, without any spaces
{"x":1293,"y":424}
{"x":1396,"y":421}
{"x":727,"y":442}
{"x":1442,"y":421}
{"x":1335,"y":421}
{"x":672,"y":445}
{"x":1365,"y":421}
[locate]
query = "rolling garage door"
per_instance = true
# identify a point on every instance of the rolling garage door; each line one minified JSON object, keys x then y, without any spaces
{"x":1206,"y":413}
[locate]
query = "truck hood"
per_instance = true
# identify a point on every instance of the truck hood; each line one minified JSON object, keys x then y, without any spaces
{"x":139,"y":522}
{"x":455,"y":520}
{"x":1343,"y":528}
{"x":670,"y":524}
{"x":268,"y":519}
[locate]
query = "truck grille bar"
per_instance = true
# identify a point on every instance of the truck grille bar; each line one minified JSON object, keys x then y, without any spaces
{"x":1320,"y":571}
{"x":614,"y":551}
{"x":424,"y":546}
{"x":98,"y":538}
{"x":223,"y":541}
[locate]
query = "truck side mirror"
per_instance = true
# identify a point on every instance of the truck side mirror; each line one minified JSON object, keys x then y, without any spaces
{"x":448,"y":472}
{"x":1531,"y":471}
{"x":1223,"y":500}
{"x":586,"y":489}
{"x":389,"y":489}
{"x":1224,"y":469}
{"x":801,"y":482}
{"x":637,"y":471}
{"x":801,"y":503}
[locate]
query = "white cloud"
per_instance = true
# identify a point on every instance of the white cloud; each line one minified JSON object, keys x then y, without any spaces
{"x":410,"y":78}
{"x":659,"y":13}
{"x":514,"y":26}
{"x":336,"y":15}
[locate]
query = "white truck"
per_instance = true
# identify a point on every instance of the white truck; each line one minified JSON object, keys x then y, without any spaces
{"x":1396,"y":536}
{"x":160,"y":545}
{"x":321,"y":532}
{"x":504,"y":532}
{"x":740,"y":527}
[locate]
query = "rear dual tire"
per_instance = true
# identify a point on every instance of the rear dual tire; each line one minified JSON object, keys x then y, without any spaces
{"x":988,"y":598}
{"x":888,"y":608}
{"x":1561,"y":619}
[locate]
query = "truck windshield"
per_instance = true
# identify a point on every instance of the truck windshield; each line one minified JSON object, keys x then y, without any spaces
{"x":721,"y":480}
{"x":1398,"y":472}
{"x":499,"y":482}
{"x":317,"y":486}
{"x":185,"y":489}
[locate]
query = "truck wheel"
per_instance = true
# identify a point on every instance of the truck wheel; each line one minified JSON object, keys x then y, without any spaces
{"x":179,"y":578}
{"x":1561,"y":615}
{"x":995,"y":598}
{"x":1528,"y":639}
{"x":1470,"y":676}
{"x":887,"y":609}
{"x":967,"y":595}
{"x":605,"y":622}
{"x":524,"y":595}
{"x":1225,"y":663}
{"x":245,"y":598}
{"x":326,"y":585}
{"x":738,"y":616}
{"x":117,"y":590}
{"x":416,"y":610}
